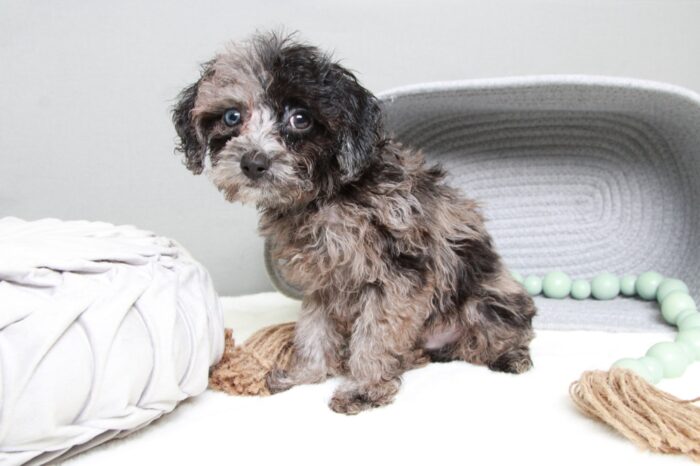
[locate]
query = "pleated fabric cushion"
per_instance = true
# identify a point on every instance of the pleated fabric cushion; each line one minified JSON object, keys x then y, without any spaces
{"x":103,"y":329}
{"x":575,"y":173}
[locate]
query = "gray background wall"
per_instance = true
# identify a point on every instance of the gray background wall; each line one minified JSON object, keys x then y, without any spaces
{"x":86,"y":88}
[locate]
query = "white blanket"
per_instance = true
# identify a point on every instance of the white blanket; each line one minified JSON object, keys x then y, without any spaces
{"x":451,"y":413}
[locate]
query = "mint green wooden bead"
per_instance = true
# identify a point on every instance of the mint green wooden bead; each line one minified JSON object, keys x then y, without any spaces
{"x":674,"y":303}
{"x":691,"y":337}
{"x":684,"y":314}
{"x":647,"y":284}
{"x":635,"y":366}
{"x":533,"y":285}
{"x":688,"y":321}
{"x":556,"y":285}
{"x":605,"y":286}
{"x":655,"y":368}
{"x":672,"y":357}
{"x":689,"y":350}
{"x":669,"y":285}
{"x":580,"y":289}
{"x":627,"y":285}
{"x":517,"y":276}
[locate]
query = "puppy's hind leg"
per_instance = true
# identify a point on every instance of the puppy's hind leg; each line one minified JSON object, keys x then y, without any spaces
{"x":498,"y":326}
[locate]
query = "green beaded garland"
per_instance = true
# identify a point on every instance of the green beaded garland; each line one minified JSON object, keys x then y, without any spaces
{"x":669,"y":285}
{"x":533,"y":285}
{"x":662,"y":360}
{"x":580,"y":289}
{"x":689,"y":321}
{"x":675,"y":303}
{"x":647,"y":284}
{"x":655,"y":368}
{"x":517,"y":276}
{"x":556,"y":285}
{"x":691,"y":337}
{"x":605,"y":286}
{"x":672,"y":357}
{"x":635,"y":366}
{"x":627,"y":284}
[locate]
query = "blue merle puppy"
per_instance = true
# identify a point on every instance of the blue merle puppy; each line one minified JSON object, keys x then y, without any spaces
{"x":396,"y":267}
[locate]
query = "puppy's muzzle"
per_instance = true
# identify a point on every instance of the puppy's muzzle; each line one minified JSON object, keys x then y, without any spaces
{"x":254,"y":165}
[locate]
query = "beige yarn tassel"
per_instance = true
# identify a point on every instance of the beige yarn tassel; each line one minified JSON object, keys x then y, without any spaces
{"x":651,"y":418}
{"x":243,"y":369}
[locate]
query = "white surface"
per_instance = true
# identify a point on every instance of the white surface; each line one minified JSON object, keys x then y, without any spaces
{"x":451,"y":413}
{"x":86,"y":88}
{"x":103,"y":329}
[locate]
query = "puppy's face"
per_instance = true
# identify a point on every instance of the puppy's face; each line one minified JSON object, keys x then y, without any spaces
{"x":280,"y":123}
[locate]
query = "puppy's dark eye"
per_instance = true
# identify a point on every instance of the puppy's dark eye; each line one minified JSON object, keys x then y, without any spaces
{"x":232,"y":117}
{"x":300,"y":120}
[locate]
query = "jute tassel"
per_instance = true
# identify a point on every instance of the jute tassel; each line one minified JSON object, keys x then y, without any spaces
{"x":243,"y":369}
{"x":651,"y":418}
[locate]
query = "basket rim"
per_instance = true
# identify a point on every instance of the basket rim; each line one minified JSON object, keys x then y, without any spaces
{"x":436,"y":88}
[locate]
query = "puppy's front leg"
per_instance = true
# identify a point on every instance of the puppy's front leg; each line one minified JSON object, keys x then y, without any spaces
{"x":381,"y":349}
{"x":316,"y":349}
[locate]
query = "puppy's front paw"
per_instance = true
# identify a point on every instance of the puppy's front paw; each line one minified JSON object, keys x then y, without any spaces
{"x":352,"y":399}
{"x":277,"y":380}
{"x":349,"y":402}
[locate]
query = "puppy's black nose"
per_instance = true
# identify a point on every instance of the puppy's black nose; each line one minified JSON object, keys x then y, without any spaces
{"x":254,"y":165}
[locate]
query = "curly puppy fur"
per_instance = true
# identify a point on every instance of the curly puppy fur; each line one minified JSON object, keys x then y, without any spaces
{"x":395,"y":265}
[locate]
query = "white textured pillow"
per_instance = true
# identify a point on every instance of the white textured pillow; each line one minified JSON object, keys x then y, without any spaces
{"x":102,"y":330}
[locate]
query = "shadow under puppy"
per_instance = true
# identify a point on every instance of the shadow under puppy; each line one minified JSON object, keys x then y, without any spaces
{"x":395,"y":265}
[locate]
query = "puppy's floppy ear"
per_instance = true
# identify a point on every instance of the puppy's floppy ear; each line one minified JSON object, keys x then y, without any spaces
{"x":361,"y":121}
{"x":190,"y":143}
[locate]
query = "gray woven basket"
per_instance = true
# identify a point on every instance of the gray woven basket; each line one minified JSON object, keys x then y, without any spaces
{"x":577,"y":173}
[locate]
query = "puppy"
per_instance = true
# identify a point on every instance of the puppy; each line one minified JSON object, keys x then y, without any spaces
{"x":396,"y":267}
